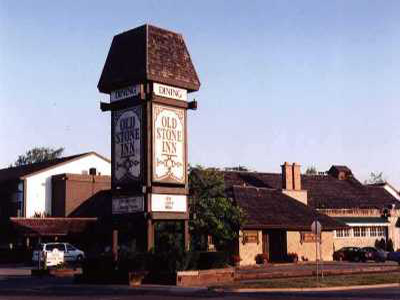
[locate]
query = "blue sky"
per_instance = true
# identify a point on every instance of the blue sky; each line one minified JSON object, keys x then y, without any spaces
{"x":316,"y":82}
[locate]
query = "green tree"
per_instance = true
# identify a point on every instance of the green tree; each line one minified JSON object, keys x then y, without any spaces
{"x":375,"y":178}
{"x":38,"y":154}
{"x":311,"y":170}
{"x":212,"y":213}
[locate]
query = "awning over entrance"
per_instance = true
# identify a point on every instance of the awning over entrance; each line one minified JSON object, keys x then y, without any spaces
{"x":363,"y":221}
{"x":51,"y":226}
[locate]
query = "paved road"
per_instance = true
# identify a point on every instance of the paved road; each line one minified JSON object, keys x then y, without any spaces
{"x":25,"y":287}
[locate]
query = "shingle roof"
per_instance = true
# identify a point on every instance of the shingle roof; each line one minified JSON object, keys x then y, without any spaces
{"x":148,"y":53}
{"x":51,"y":226}
{"x":15,"y":173}
{"x":324,"y":191}
{"x":270,"y":209}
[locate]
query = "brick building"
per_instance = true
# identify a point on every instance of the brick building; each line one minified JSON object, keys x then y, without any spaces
{"x":281,"y":208}
{"x":49,"y":200}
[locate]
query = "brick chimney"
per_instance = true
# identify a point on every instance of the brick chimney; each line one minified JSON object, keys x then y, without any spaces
{"x":291,"y":182}
{"x":296,"y":177}
{"x":287,"y":176}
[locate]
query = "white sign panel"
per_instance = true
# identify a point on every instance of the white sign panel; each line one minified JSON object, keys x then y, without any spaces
{"x":127,"y":92}
{"x":169,"y":145}
{"x":54,"y":258}
{"x":168,"y":203}
{"x":125,"y":205}
{"x":167,"y":91}
{"x":127,"y":126}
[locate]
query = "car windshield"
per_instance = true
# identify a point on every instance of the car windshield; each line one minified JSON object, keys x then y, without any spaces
{"x":51,"y":247}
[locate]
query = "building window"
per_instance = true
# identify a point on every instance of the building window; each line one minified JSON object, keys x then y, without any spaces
{"x":307,"y":237}
{"x":250,"y":236}
{"x":373,"y":231}
{"x":357,"y":231}
{"x":18,"y":200}
{"x":381,"y":231}
{"x":343,"y":233}
{"x":363,"y":231}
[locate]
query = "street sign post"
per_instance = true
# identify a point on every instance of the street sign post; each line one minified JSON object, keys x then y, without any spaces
{"x":316,"y":228}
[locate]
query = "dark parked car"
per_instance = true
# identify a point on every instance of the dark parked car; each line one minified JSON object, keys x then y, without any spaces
{"x":349,"y":254}
{"x":395,"y":256}
{"x":371,"y":253}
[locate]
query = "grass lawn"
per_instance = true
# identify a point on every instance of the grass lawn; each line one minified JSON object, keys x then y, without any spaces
{"x":327,"y":281}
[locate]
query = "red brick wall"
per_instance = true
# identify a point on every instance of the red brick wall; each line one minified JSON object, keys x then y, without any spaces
{"x":205,"y":277}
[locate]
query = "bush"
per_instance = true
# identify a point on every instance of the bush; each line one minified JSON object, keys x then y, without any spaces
{"x":380,"y":244}
{"x":261,"y":258}
{"x":175,"y":261}
{"x":160,"y":267}
{"x":292,"y":257}
{"x":389,"y":246}
{"x":383,"y":245}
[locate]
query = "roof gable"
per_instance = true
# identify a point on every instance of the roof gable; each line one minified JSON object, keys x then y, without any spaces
{"x":16,"y":173}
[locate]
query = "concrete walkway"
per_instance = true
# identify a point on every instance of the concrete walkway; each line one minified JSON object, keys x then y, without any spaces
{"x":15,"y":270}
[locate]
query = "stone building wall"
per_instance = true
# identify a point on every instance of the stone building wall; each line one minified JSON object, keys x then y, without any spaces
{"x":306,"y":249}
{"x":249,"y":250}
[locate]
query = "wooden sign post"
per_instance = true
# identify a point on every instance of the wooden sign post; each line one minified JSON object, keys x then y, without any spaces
{"x":148,"y":74}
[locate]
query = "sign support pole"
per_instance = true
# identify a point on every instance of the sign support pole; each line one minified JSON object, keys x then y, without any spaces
{"x":316,"y":228}
{"x":316,"y":254}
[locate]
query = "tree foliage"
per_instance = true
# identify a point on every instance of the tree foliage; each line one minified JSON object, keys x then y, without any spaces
{"x":311,"y":170}
{"x":211,"y":212}
{"x":375,"y":178}
{"x":38,"y":154}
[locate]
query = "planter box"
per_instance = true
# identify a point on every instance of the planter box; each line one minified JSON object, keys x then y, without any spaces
{"x":205,"y":277}
{"x":136,"y":277}
{"x":55,"y":272}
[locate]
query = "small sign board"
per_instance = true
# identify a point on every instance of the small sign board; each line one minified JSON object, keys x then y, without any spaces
{"x":54,"y":258}
{"x":124,"y":93}
{"x":169,"y":144}
{"x":168,"y":203}
{"x":126,"y":205}
{"x":167,"y":91}
{"x":316,"y":227}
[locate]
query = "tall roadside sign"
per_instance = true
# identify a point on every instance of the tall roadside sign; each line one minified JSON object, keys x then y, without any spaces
{"x":148,"y":74}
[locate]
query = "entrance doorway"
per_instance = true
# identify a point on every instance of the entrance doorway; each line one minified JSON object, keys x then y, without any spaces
{"x":169,"y":236}
{"x":275,"y":245}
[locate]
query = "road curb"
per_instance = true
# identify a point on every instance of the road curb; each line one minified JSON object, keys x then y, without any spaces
{"x":322,"y":289}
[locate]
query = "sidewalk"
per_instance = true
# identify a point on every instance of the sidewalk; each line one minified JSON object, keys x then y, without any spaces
{"x":15,"y":270}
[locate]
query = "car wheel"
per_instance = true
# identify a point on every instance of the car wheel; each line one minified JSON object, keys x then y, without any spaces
{"x":79,"y":258}
{"x":356,"y":259}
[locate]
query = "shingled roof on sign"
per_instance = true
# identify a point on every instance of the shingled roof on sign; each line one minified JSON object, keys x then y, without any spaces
{"x":148,"y":53}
